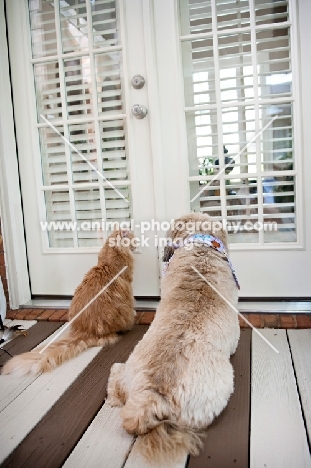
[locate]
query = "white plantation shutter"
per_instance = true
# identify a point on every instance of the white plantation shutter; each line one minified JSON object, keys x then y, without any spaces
{"x":58,"y":210}
{"x":238,"y":75}
{"x":104,"y":19}
{"x":272,"y":11}
{"x":53,"y":155}
{"x":77,"y":64}
{"x":42,"y":25}
{"x":74,"y":30}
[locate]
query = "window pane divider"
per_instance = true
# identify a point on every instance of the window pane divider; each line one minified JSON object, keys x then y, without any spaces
{"x":78,"y":53}
{"x":84,"y":120}
{"x":225,"y":105}
{"x":95,"y":111}
{"x":59,"y":187}
{"x":257,"y":120}
{"x":64,"y":114}
{"x":297,"y":124}
{"x":243,"y":29}
{"x":219,"y":112}
{"x":245,"y":175}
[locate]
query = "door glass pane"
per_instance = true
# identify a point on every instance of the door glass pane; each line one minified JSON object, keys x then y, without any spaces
{"x":82,"y":136}
{"x":74,"y":27}
{"x":238,"y":127}
{"x":275,"y":11}
{"x":279,"y":209}
{"x":242,"y":209}
{"x":113,"y":144}
{"x":49,"y":101}
{"x":42,"y":28}
{"x":117,"y":207}
{"x":58,"y":212}
{"x":105,"y":24}
{"x":77,"y":78}
{"x":209,"y":201}
{"x":195,"y":17}
{"x":108,"y":78}
{"x":54,"y":165}
{"x":90,"y":224}
{"x":235,"y":85}
{"x":199,"y":74}
{"x":277,"y":150}
{"x":78,"y":87}
{"x":235,"y":71}
{"x":232,"y":14}
{"x":202,"y":142}
{"x":89,"y":217}
{"x":274,"y":63}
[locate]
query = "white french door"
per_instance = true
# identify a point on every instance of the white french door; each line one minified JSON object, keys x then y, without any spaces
{"x":77,"y":59}
{"x":223,"y":86}
{"x":245,"y":105}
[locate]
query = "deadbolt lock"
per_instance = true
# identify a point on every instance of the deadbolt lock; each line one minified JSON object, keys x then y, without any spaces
{"x":138,"y":81}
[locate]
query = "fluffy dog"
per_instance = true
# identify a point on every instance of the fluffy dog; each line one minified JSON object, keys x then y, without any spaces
{"x":179,"y":377}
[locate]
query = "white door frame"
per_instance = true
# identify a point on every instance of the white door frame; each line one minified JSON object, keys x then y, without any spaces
{"x":172,"y":156}
{"x":10,"y":194}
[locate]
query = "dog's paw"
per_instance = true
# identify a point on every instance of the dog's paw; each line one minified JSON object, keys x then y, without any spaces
{"x":114,"y":402}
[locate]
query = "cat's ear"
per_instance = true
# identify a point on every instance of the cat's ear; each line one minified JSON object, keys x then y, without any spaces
{"x":124,"y":232}
{"x":167,"y":253}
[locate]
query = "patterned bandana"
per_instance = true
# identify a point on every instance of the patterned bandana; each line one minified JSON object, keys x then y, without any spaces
{"x":209,"y":241}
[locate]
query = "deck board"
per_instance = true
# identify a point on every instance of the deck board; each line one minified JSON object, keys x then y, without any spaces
{"x":300,"y":343}
{"x":278,"y":437}
{"x":227,"y":441}
{"x":104,"y":440}
{"x":50,"y":443}
{"x":11,"y":387}
{"x":22,"y":344}
{"x":24,"y":413}
{"x":135,"y":460}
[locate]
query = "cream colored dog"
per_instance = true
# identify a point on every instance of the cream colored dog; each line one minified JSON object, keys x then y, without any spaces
{"x":179,"y":377}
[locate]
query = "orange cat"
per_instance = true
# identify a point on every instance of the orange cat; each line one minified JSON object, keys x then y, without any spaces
{"x":98,"y":325}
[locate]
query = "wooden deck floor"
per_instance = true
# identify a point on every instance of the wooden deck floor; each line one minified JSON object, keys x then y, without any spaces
{"x":60,"y":419}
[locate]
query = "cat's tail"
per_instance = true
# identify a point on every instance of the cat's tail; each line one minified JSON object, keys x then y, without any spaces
{"x":35,"y":362}
{"x":160,"y":440}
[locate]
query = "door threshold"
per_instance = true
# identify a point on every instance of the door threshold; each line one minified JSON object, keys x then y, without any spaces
{"x":46,"y":304}
{"x":139,"y":304}
{"x":252,"y":307}
{"x":275,"y":307}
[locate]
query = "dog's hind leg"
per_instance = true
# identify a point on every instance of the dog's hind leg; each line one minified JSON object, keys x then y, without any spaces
{"x":144,"y":411}
{"x":116,"y":393}
{"x":161,"y":441}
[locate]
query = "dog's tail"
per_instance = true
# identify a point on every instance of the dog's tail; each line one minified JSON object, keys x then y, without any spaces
{"x":161,"y":440}
{"x":35,"y":362}
{"x":168,"y":443}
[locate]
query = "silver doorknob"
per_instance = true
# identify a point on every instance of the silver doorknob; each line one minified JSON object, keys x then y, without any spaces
{"x":138,"y":81}
{"x":139,"y":111}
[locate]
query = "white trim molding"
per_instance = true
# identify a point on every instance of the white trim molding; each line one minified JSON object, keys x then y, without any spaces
{"x":10,"y":196}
